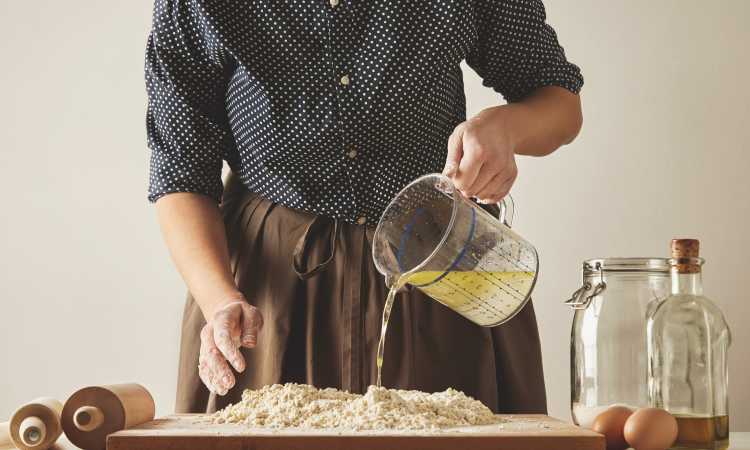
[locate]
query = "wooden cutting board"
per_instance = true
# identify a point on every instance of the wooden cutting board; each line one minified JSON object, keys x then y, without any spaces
{"x":195,"y":432}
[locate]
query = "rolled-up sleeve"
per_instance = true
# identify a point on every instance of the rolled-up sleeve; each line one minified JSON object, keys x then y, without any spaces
{"x":186,"y":79}
{"x":517,"y":52}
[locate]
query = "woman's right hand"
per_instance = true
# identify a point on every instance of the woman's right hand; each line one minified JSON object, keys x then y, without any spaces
{"x":231,"y":327}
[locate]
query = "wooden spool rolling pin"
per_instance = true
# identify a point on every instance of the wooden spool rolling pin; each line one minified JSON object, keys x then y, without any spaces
{"x":5,"y":441}
{"x":93,"y":413}
{"x":36,"y":425}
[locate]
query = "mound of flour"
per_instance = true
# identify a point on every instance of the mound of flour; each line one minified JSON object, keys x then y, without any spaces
{"x":303,"y":406}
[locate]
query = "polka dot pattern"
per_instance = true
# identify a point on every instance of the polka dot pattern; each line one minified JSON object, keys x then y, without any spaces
{"x":329,"y":106}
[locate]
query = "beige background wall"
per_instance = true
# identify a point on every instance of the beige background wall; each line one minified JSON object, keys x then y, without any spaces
{"x":88,"y":296}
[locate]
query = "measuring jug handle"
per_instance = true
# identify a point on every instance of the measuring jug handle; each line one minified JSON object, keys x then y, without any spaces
{"x":507,"y":210}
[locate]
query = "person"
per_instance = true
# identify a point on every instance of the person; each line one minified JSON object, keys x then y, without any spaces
{"x":323,"y":110}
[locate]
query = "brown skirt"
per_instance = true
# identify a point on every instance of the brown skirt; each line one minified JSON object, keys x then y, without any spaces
{"x":321,"y":298}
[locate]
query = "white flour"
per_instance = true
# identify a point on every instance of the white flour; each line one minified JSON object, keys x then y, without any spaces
{"x":303,"y":406}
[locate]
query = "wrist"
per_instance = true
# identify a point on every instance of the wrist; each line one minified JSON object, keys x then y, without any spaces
{"x":209,"y":308}
{"x":513,"y":118}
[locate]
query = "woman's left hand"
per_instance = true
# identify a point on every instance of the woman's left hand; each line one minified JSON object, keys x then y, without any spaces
{"x":481,"y":156}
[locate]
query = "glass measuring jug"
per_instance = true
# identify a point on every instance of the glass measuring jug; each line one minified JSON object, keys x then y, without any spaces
{"x":435,"y":239}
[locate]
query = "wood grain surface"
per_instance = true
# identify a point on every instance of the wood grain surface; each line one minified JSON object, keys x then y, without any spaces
{"x":195,"y":432}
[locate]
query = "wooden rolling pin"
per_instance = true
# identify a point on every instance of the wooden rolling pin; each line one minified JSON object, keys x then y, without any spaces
{"x":5,"y":440}
{"x":93,"y":413}
{"x":36,"y":425}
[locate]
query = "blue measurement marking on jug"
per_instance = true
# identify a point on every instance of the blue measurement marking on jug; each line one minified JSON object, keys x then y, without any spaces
{"x":407,"y":233}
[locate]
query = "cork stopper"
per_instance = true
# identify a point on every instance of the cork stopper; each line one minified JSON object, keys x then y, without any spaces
{"x":686,"y":255}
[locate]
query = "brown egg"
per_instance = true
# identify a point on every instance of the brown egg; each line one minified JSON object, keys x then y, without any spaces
{"x":650,"y":429}
{"x":611,"y":423}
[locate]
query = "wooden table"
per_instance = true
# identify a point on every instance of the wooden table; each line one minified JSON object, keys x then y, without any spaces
{"x":738,"y":441}
{"x":511,"y":432}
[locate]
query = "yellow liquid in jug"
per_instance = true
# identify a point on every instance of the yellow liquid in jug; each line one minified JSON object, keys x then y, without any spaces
{"x":485,"y":298}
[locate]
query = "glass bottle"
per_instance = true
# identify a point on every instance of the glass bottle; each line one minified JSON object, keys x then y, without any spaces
{"x":688,"y":341}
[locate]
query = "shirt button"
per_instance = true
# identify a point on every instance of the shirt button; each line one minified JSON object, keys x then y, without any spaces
{"x":334,"y":3}
{"x":352,"y":153}
{"x":362,"y":220}
{"x":345,"y":80}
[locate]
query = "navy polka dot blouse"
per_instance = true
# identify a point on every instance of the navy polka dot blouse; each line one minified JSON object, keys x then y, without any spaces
{"x":329,"y":106}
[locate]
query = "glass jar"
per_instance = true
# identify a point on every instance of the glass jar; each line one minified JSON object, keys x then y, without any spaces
{"x":608,"y":353}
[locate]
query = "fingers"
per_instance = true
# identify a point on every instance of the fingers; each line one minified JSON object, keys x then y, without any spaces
{"x":226,"y":333}
{"x":252,"y":322}
{"x":486,"y":176}
{"x":498,"y":184}
{"x":455,"y":150}
{"x":212,"y":367}
{"x":479,"y":163}
{"x":498,"y":188}
{"x":468,"y":169}
{"x":481,"y":158}
{"x":489,"y":190}
{"x":232,"y":327}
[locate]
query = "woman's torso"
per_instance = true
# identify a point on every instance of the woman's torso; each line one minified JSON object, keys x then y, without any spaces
{"x":305,"y":139}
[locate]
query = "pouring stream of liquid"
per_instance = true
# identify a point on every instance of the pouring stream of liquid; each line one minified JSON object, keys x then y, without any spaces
{"x":384,"y":324}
